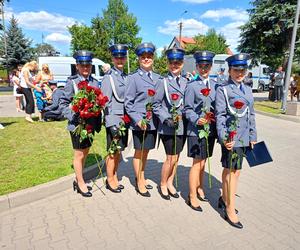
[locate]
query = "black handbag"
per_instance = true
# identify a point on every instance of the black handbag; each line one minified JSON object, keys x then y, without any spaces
{"x":19,"y":90}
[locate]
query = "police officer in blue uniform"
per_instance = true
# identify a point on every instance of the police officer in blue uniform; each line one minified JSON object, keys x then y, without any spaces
{"x":195,"y":104}
{"x":234,"y":102}
{"x":53,"y":111}
{"x":169,"y":96}
{"x":140,"y":84}
{"x":113,"y":86}
{"x":81,"y":148}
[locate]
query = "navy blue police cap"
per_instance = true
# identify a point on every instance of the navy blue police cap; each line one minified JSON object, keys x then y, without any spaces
{"x":52,"y":82}
{"x":238,"y":61}
{"x":118,"y":50}
{"x":83,"y":57}
{"x":204,"y":57}
{"x":175,"y":54}
{"x":144,"y":48}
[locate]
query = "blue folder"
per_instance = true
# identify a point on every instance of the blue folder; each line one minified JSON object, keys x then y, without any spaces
{"x":258,"y":155}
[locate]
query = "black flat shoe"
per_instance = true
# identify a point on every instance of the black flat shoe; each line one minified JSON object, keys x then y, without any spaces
{"x":176,"y":195}
{"x":146,"y":194}
{"x":198,"y":209}
{"x":205,"y":199}
{"x":238,"y":224}
{"x":75,"y":185}
{"x":221,"y":205}
{"x":121,"y":186}
{"x":116,"y":190}
{"x":166,"y":197}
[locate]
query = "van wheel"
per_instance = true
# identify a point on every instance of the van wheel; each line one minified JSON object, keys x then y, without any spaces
{"x":260,"y":88}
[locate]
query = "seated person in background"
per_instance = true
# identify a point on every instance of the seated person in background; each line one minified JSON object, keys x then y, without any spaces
{"x":249,"y":80}
{"x":52,"y":111}
{"x":41,"y":100}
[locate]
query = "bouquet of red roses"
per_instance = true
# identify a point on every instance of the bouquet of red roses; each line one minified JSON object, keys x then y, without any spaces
{"x":87,"y":103}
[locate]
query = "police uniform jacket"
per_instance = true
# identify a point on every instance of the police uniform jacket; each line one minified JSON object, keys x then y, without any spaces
{"x":69,"y":91}
{"x":163,"y":102}
{"x":194,"y":101}
{"x":54,"y":107}
{"x":113,"y":86}
{"x":136,"y":97}
{"x":225,"y":112}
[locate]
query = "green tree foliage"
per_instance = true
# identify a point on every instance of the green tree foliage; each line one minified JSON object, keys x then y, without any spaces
{"x":160,"y":63}
{"x":18,"y":46}
{"x":267,"y":34}
{"x":210,"y":41}
{"x":115,"y":26}
{"x":44,"y":49}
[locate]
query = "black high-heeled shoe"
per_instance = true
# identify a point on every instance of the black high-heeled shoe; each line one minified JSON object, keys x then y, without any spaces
{"x":222,"y":205}
{"x":75,"y":185}
{"x":148,"y":186}
{"x":121,"y":186}
{"x":238,"y":224}
{"x":189,"y":203}
{"x":146,"y":194}
{"x":114,"y":190}
{"x":176,"y":195}
{"x":205,"y":199}
{"x":166,"y":197}
{"x":84,"y":194}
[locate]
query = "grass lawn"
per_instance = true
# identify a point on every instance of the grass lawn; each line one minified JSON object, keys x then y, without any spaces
{"x":268,"y":107}
{"x":36,"y":153}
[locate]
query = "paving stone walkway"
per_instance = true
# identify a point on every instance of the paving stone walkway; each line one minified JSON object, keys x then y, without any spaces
{"x":268,"y":202}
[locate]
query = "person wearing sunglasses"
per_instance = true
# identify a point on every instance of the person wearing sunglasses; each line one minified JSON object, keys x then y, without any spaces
{"x":168,"y":106}
{"x":199,"y":103}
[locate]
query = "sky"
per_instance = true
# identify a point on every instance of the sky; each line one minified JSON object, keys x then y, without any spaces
{"x":44,"y":20}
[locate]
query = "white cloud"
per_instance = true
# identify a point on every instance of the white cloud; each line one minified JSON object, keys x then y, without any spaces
{"x":191,"y":27}
{"x":232,"y":31}
{"x":58,"y":38}
{"x":193,"y":1}
{"x":234,"y":14}
{"x":42,"y":20}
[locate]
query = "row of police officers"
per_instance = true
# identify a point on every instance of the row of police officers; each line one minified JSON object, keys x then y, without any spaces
{"x":172,"y":110}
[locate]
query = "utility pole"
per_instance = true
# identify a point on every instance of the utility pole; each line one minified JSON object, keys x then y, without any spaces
{"x":128,"y":63}
{"x":290,"y":62}
{"x":180,"y":27}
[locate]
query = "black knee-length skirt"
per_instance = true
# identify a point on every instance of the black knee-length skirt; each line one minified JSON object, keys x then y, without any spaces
{"x":77,"y":144}
{"x":169,"y":143}
{"x":237,"y":162}
{"x":123,"y":141}
{"x":149,"y":140}
{"x":197,"y":147}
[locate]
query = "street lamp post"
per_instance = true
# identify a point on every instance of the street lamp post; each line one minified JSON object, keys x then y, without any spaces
{"x":290,"y":62}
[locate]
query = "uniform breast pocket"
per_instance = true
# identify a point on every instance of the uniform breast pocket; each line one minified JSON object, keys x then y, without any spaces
{"x":117,"y":112}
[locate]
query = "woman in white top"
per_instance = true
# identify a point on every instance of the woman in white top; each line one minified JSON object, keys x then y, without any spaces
{"x":16,"y":82}
{"x":26,"y":83}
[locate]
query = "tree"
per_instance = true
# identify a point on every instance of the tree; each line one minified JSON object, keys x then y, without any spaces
{"x":160,"y":63}
{"x":267,"y":34}
{"x":115,"y":26}
{"x":44,"y":49}
{"x":211,"y":41}
{"x":18,"y":46}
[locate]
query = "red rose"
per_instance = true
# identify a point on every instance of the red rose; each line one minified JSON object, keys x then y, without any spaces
{"x":75,"y":108}
{"x":126,"y":119}
{"x":205,"y":91}
{"x":89,"y":128}
{"x":82,"y":84}
{"x":151,"y":92}
{"x":238,"y":104}
{"x":231,"y":135}
{"x":174,"y":97}
{"x":148,"y":115}
{"x":102,"y":100}
{"x":210,"y":117}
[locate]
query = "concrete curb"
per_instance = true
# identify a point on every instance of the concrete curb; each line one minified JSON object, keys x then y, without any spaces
{"x":41,"y":191}
{"x":282,"y":117}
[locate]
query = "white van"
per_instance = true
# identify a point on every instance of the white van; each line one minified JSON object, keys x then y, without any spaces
{"x":260,"y":76}
{"x":63,"y":67}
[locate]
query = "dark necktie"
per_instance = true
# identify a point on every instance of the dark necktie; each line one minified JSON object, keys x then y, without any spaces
{"x":242,"y":88}
{"x":149,"y":75}
{"x":177,"y":80}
